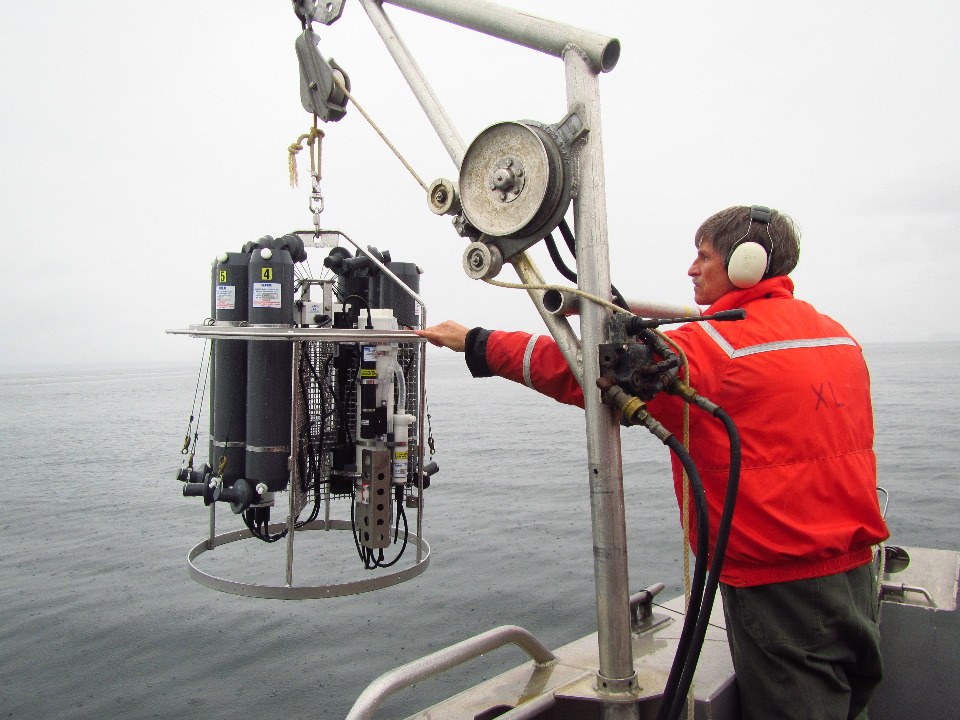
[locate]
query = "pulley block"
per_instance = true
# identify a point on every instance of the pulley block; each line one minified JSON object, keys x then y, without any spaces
{"x":482,"y":261}
{"x":320,"y":80}
{"x":443,"y":197}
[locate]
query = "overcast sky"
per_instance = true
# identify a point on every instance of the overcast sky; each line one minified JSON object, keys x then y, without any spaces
{"x":140,"y":140}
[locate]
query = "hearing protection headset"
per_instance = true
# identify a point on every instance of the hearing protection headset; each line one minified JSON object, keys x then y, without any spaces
{"x":749,"y":260}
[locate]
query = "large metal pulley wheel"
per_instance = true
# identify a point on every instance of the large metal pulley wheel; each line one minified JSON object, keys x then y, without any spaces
{"x":515,"y":183}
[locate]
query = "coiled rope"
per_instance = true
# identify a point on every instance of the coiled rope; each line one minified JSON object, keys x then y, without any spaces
{"x":311,"y":138}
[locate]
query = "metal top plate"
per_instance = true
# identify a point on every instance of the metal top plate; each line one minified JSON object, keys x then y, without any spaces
{"x":290,"y":334}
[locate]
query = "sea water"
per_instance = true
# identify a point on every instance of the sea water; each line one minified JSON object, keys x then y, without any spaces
{"x":99,"y":618}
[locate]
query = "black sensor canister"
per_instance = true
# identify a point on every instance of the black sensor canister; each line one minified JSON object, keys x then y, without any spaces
{"x":228,"y":383}
{"x":269,"y":369}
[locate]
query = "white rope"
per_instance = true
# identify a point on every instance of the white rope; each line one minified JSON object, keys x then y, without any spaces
{"x":380,"y":132}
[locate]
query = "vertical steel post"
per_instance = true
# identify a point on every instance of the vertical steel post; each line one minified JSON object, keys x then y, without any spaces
{"x":422,"y":421}
{"x":213,"y":525}
{"x":616,"y":676}
{"x":293,"y":462}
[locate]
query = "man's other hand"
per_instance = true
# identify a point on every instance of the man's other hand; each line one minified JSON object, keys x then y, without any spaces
{"x":447,"y":334}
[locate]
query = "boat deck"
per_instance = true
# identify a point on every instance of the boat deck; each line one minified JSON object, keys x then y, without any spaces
{"x":919,"y":627}
{"x":568,"y":688}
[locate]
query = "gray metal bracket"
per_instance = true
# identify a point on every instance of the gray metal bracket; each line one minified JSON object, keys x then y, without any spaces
{"x":326,"y":12}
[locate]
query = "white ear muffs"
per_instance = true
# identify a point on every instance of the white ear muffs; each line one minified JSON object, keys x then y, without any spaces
{"x":748,"y":261}
{"x":747,"y":264}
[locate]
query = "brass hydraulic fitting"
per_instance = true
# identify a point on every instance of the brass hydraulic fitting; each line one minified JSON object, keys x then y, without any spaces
{"x":632,"y":408}
{"x":689,"y":395}
{"x":678,"y":387}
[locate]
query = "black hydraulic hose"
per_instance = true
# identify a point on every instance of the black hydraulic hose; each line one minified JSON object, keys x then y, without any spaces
{"x":353,"y":527}
{"x":334,"y":400}
{"x":401,"y":513}
{"x":363,"y":303}
{"x":557,"y":260}
{"x":265,"y":535}
{"x":571,"y":242}
{"x":305,"y":468}
{"x":618,"y":299}
{"x":568,"y":237}
{"x":311,"y":454}
{"x":399,"y":502}
{"x":719,"y":552}
{"x":313,"y":513}
{"x":699,"y":576}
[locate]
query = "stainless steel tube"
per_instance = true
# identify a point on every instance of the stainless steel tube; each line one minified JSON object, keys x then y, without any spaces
{"x":442,"y":124}
{"x":442,"y":660}
{"x":559,"y":302}
{"x":616,"y":676}
{"x":521,"y":28}
{"x":558,"y":326}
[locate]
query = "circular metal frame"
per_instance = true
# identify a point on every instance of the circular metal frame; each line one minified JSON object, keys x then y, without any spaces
{"x":302,"y":592}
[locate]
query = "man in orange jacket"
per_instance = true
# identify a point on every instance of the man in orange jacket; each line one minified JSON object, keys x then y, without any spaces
{"x":798,"y":585}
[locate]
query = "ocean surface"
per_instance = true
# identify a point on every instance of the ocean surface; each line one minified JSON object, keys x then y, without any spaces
{"x":99,"y":618}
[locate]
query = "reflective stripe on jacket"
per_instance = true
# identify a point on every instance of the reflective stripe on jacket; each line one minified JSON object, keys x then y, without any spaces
{"x":797,"y":387}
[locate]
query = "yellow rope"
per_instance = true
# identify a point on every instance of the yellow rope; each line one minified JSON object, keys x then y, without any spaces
{"x":560,"y":288}
{"x":315,"y":135}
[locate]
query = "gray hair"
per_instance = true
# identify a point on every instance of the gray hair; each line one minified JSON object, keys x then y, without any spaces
{"x":726,"y":227}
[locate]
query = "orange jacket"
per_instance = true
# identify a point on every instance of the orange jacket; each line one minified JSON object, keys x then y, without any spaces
{"x":797,"y":387}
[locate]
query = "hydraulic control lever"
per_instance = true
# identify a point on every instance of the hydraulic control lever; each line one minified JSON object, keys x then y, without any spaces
{"x":635,"y":324}
{"x":630,"y":361}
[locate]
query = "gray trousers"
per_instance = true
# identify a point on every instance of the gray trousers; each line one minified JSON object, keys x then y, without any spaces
{"x":806,"y":649}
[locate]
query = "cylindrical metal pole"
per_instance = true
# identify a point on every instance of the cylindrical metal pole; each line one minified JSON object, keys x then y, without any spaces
{"x":558,"y":325}
{"x":294,"y":461}
{"x":616,"y":676}
{"x":442,"y":124}
{"x":442,"y":660}
{"x":213,"y":524}
{"x":521,"y":28}
{"x":561,"y":302}
{"x":422,"y":420}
